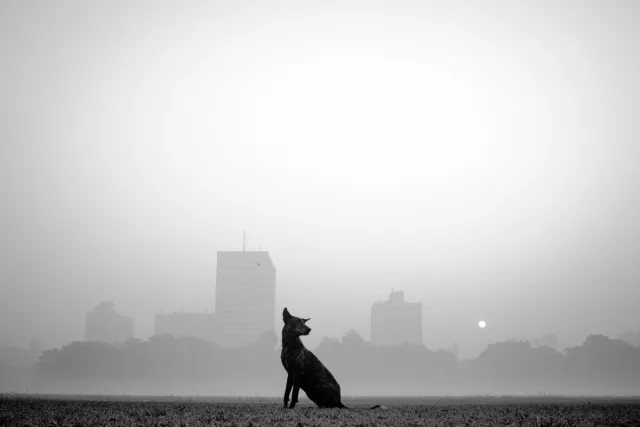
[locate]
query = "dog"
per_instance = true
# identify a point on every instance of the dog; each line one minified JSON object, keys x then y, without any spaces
{"x":304,"y":369}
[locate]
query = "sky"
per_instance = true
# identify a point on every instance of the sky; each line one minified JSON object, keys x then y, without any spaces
{"x":483,"y":157}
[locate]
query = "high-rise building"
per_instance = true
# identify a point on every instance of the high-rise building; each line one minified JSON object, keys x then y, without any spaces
{"x":195,"y":325}
{"x":396,"y":322}
{"x":245,"y":297}
{"x":104,"y":324}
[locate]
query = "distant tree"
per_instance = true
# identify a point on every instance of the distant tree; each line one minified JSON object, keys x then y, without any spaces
{"x":352,"y":339}
{"x":598,"y":341}
{"x":327,"y":345}
{"x":632,"y":338}
{"x":354,"y":355}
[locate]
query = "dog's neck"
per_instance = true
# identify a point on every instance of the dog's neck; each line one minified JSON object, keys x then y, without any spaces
{"x":292,"y":343}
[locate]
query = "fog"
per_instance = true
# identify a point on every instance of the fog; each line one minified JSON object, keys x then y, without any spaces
{"x":482,"y":158}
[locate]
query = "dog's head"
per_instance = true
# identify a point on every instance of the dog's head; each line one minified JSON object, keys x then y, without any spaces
{"x":294,"y":326}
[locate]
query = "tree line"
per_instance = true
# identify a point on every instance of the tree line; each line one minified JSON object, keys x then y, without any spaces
{"x":168,"y":365}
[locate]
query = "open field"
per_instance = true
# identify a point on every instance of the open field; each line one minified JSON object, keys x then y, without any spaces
{"x":469,"y":411}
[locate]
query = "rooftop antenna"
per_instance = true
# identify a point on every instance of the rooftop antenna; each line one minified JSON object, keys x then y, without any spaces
{"x":244,"y":240}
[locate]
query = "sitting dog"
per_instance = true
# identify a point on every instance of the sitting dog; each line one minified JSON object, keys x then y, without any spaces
{"x":304,"y":370}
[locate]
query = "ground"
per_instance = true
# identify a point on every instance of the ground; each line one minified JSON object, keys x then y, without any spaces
{"x":61,"y":411}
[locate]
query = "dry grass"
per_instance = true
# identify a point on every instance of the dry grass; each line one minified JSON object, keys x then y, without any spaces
{"x":56,"y":413}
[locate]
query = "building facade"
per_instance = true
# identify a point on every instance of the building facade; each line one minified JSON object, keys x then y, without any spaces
{"x":179,"y":324}
{"x":245,"y":297}
{"x":395,"y":322}
{"x":104,"y":324}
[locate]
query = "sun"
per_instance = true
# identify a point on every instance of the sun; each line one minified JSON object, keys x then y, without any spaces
{"x":482,"y":324}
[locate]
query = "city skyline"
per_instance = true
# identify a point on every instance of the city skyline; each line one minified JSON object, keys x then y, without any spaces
{"x":548,"y":338}
{"x":483,"y":158}
{"x":189,"y":324}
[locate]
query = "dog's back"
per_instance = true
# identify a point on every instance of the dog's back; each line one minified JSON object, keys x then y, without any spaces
{"x":304,"y":369}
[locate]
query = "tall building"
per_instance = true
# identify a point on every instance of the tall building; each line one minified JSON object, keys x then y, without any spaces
{"x":245,"y":297}
{"x":196,"y":325}
{"x":396,"y":322}
{"x":104,"y":324}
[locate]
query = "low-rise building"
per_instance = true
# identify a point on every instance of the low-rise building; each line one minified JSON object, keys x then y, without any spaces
{"x":395,"y":322}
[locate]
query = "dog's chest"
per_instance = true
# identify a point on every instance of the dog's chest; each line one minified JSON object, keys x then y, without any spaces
{"x":291,"y":358}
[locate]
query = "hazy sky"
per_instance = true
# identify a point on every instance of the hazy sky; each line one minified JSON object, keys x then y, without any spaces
{"x":481,"y":156}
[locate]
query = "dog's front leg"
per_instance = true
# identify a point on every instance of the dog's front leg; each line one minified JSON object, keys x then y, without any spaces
{"x":297,"y":381}
{"x":287,"y":389}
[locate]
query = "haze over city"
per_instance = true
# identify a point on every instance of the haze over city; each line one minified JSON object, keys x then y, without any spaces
{"x":485,"y":160}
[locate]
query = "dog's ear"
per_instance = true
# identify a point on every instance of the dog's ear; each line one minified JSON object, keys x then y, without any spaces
{"x":305,"y":320}
{"x":285,"y":315}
